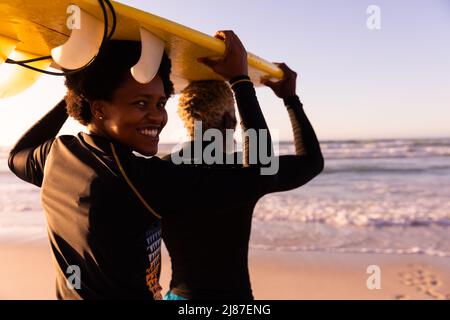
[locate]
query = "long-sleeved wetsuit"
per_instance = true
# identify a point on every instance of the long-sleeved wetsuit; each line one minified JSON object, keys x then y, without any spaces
{"x":208,"y":241}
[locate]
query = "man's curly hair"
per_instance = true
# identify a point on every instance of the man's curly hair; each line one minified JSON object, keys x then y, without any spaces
{"x":104,"y":75}
{"x":209,"y":101}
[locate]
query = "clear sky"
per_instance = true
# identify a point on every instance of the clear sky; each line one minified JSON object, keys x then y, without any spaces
{"x":355,"y":83}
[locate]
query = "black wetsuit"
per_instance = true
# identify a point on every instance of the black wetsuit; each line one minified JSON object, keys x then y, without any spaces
{"x":208,"y":241}
{"x":95,"y":221}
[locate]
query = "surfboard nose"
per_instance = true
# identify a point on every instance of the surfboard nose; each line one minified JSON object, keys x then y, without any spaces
{"x":14,"y":79}
{"x":7,"y":46}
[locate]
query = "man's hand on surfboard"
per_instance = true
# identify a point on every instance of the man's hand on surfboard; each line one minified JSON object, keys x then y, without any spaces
{"x":286,"y":87}
{"x":234,"y":62}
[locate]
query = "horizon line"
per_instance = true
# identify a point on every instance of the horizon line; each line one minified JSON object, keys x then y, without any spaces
{"x":326,"y":140}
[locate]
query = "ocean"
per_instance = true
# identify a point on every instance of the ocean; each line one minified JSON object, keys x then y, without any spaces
{"x":377,"y":196}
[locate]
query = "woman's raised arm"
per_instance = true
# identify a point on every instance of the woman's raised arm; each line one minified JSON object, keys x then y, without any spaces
{"x":296,"y":170}
{"x":27,"y":158}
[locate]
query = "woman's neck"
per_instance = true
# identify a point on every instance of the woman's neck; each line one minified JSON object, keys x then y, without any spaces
{"x":97,"y":131}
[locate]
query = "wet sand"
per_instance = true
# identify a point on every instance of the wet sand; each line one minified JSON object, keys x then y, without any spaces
{"x":26,"y":272}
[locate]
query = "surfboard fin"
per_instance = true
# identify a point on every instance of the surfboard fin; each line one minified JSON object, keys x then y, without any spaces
{"x":152,"y":51}
{"x":82,"y":45}
{"x":14,"y":79}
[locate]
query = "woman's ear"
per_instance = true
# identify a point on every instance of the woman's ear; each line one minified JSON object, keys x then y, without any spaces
{"x":97,"y":110}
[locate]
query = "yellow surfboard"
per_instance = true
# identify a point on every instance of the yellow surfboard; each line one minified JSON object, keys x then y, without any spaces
{"x":30,"y":29}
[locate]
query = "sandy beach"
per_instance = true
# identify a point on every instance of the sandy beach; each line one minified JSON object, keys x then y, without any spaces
{"x":26,"y":272}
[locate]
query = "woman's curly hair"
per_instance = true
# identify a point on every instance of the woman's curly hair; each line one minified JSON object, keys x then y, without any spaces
{"x":209,"y":101}
{"x":105,"y":74}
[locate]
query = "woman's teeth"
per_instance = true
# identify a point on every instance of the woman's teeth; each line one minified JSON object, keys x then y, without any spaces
{"x":149,"y":132}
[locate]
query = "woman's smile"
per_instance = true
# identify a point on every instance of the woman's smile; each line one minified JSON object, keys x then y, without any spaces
{"x":150,"y":132}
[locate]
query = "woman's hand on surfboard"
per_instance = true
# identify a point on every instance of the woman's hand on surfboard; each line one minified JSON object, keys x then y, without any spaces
{"x":286,"y":87}
{"x":234,"y":62}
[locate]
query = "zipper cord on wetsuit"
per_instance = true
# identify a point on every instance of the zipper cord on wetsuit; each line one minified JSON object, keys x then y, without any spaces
{"x":124,"y":174}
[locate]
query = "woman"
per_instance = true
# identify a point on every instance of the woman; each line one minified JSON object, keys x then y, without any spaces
{"x":104,"y":204}
{"x":208,"y":244}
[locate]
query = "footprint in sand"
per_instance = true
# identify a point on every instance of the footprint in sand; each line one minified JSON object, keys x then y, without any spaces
{"x":423,"y":280}
{"x":401,"y":297}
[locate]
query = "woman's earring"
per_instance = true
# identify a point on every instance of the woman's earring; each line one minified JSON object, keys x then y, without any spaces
{"x":100,"y":117}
